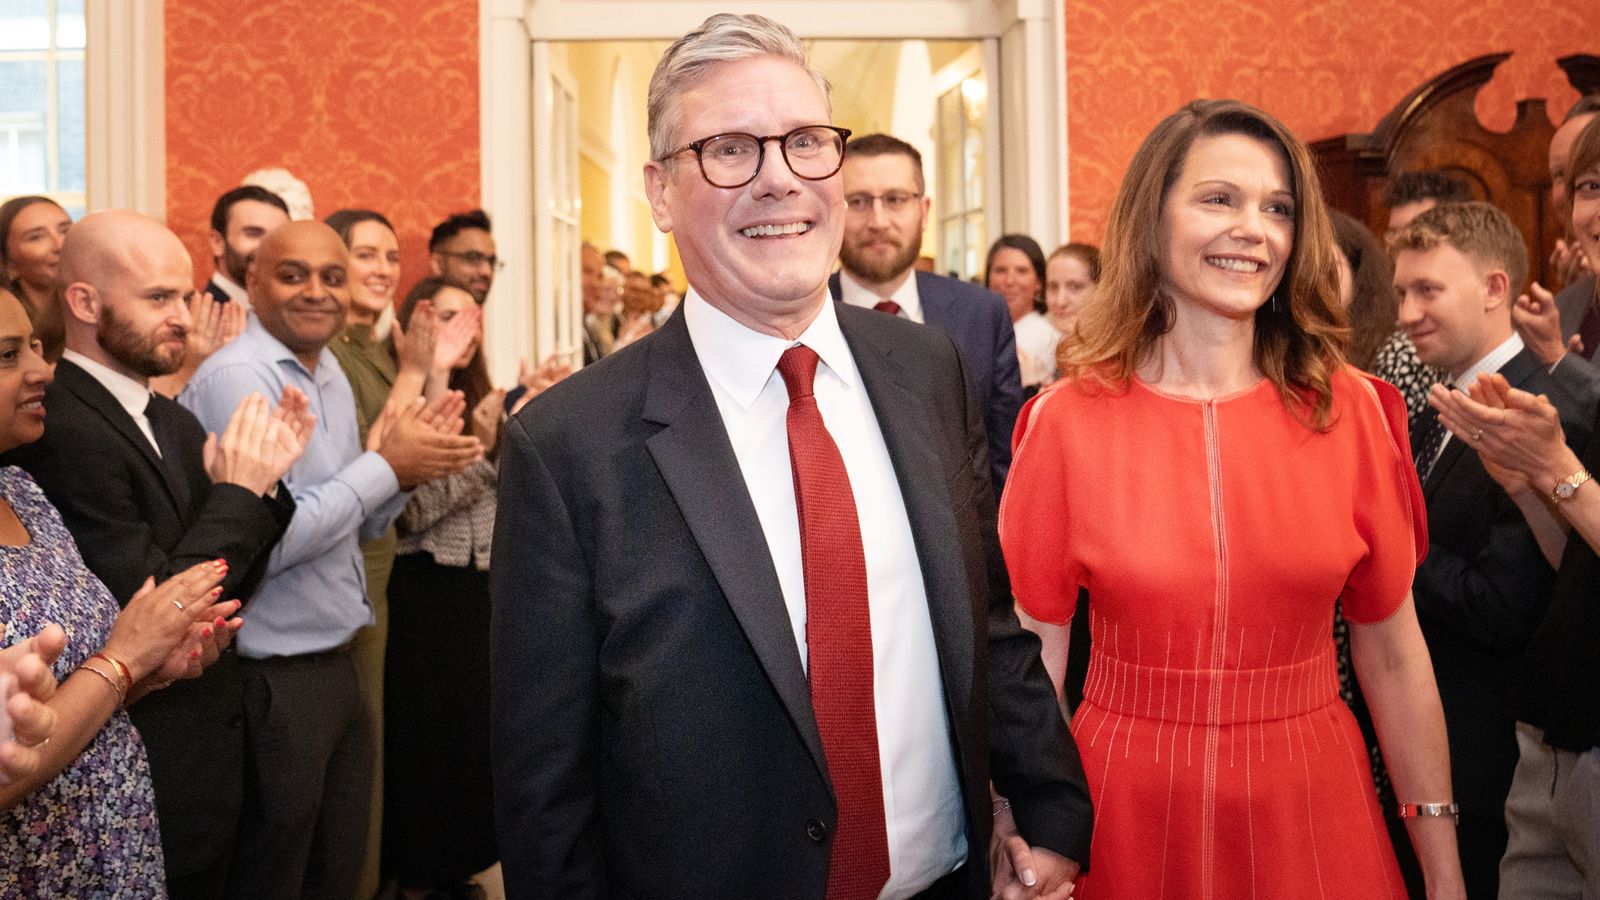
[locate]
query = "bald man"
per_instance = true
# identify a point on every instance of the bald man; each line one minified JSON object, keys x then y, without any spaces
{"x":145,"y":497}
{"x":308,"y":738}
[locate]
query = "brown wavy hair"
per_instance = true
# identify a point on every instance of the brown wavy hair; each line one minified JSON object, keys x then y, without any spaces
{"x":1298,"y":338}
{"x":1373,"y":310}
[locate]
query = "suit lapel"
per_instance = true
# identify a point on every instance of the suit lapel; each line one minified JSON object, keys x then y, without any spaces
{"x":100,"y":402}
{"x":907,"y":426}
{"x":698,"y":465}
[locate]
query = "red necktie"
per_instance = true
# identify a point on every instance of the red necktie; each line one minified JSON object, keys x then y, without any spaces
{"x":838,"y":637}
{"x":888,"y":306}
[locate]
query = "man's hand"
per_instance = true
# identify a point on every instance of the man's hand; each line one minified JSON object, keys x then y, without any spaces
{"x":1509,"y":428}
{"x":26,"y":685}
{"x":299,"y":423}
{"x":554,"y":368}
{"x":215,"y":323}
{"x":1537,"y":319}
{"x":253,"y":452}
{"x":1020,"y":872}
{"x":424,"y":442}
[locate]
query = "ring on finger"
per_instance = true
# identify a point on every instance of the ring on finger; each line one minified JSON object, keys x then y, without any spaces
{"x":1477,"y":436}
{"x":177,"y":604}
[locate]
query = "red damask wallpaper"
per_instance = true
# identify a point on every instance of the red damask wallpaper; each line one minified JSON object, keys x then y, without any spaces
{"x":1325,"y":68}
{"x":370,"y":102}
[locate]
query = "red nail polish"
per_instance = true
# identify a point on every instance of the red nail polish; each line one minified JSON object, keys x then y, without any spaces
{"x":216,"y":592}
{"x":206,"y":631}
{"x":194,"y":654}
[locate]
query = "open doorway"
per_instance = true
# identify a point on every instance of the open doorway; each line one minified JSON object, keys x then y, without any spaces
{"x":977,"y":85}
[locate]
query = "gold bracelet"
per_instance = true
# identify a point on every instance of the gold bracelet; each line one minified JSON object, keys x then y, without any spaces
{"x":121,"y":697}
{"x":121,"y":668}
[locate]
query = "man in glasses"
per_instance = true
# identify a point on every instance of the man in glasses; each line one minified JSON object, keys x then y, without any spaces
{"x":753,"y":635}
{"x":461,"y":252}
{"x":887,"y":204}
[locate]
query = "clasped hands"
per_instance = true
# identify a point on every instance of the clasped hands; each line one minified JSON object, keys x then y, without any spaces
{"x":1020,"y":872}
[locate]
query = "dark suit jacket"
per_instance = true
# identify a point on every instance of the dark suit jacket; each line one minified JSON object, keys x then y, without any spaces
{"x":977,"y":321}
{"x":1480,"y":593}
{"x":132,"y":519}
{"x":216,"y":292}
{"x":1581,"y":376}
{"x":653,"y":734}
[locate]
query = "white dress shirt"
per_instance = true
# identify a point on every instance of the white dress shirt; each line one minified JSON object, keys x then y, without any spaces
{"x":132,"y":395}
{"x":1492,"y":361}
{"x":855,"y":293}
{"x":921,"y":795}
{"x":236,"y":294}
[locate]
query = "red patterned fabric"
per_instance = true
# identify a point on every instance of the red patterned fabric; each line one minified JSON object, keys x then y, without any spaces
{"x":838,"y":637}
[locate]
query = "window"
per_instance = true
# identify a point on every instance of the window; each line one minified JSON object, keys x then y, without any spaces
{"x":961,"y":164}
{"x":42,"y":148}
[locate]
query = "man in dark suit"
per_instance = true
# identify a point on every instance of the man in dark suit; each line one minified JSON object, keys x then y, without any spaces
{"x":1485,"y":585}
{"x":753,"y":635}
{"x":888,"y":203}
{"x":145,"y":496}
{"x":239,"y":220}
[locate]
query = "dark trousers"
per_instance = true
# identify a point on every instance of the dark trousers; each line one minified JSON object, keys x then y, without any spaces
{"x":308,"y":779}
{"x":1481,"y":841}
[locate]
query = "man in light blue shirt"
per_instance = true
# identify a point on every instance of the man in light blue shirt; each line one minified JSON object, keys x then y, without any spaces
{"x":309,"y":741}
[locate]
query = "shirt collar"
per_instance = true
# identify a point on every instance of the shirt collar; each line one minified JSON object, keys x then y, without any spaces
{"x":855,"y":293}
{"x":132,"y":395}
{"x":741,"y":360}
{"x":1493,"y":361}
{"x":275,"y":350}
{"x":235,"y":293}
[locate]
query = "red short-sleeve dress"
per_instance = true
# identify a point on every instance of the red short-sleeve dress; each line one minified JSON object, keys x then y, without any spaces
{"x":1214,"y":538}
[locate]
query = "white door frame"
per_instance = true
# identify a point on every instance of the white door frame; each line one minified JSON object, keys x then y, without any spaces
{"x":1032,"y":85}
{"x":125,"y":127}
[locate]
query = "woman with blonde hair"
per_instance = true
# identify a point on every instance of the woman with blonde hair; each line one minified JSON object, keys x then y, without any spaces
{"x":1216,"y":476}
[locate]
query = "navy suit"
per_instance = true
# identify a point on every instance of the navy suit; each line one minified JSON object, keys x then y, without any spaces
{"x":977,"y":322}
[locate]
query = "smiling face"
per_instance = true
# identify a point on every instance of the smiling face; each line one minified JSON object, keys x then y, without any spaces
{"x":374,"y":269}
{"x":1560,"y":150}
{"x":761,"y":253}
{"x":23,"y":376}
{"x":1227,"y":224}
{"x":466,"y":260}
{"x":299,"y":287}
{"x":1066,"y":287}
{"x":1453,"y":309}
{"x":1012,"y":276}
{"x":33,"y":248}
{"x":1586,"y":214}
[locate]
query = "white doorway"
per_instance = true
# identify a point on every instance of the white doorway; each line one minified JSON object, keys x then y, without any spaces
{"x":1014,"y":158}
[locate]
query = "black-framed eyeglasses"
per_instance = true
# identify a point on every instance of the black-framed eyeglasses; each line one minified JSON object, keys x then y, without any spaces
{"x":893,"y":202}
{"x":475,"y":259}
{"x":733,"y":160}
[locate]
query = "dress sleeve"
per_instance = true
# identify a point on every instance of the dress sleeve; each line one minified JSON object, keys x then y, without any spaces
{"x":1390,"y":516}
{"x":1033,"y":513}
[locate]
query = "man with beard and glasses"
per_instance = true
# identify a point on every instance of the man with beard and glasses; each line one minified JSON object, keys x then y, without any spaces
{"x":886,"y":210}
{"x":146,"y":493}
{"x":461,"y":252}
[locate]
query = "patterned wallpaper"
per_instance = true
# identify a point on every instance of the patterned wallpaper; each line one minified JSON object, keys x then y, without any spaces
{"x":370,"y":102}
{"x":1325,"y":68}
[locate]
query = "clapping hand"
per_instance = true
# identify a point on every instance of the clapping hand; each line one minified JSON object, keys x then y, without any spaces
{"x":213,"y":324}
{"x":486,"y":418}
{"x":456,"y":334}
{"x":1511,"y":429}
{"x":26,"y":685}
{"x":163,"y":628}
{"x":260,"y":444}
{"x":414,"y":344}
{"x":1568,"y":261}
{"x":534,"y":381}
{"x":1538,"y":321}
{"x":423,"y":442}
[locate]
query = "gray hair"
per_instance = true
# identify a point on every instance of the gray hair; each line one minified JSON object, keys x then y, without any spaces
{"x":724,"y":37}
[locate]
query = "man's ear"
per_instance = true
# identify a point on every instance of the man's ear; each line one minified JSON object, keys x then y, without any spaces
{"x":657,"y":182}
{"x":218,"y":245}
{"x":82,"y":302}
{"x":436,"y":264}
{"x":1497,"y":290}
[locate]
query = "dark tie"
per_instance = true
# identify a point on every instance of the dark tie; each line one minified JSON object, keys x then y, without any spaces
{"x":1589,"y":330}
{"x":838,"y":637}
{"x":1430,"y":437}
{"x":888,"y":306}
{"x":162,"y":415}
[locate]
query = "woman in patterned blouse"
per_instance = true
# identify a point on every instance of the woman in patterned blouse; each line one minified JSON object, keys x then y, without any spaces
{"x":83,"y":824}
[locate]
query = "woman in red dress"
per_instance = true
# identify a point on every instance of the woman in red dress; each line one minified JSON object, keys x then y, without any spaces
{"x":1216,"y":477}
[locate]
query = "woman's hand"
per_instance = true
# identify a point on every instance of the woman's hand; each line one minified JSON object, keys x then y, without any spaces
{"x":486,"y":418}
{"x":160,"y":620}
{"x":414,"y":344}
{"x":26,"y":685}
{"x":455,"y":336}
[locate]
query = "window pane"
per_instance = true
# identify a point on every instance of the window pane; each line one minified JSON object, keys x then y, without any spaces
{"x":23,"y":166}
{"x":25,"y":25}
{"x":69,"y":24}
{"x":70,"y":110}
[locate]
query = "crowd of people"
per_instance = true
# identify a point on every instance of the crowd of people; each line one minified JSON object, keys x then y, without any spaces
{"x":295,"y":601}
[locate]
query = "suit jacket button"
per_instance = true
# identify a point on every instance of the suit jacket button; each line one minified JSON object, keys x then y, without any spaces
{"x":816,"y":830}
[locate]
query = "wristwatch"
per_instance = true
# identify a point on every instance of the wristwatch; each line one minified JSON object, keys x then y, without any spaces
{"x":1569,"y":485}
